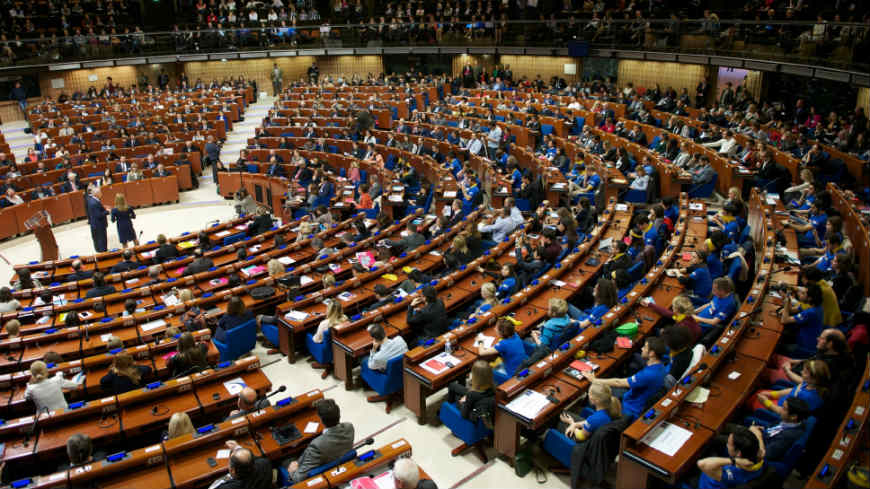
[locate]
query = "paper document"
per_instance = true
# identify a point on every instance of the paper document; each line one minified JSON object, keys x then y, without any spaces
{"x":312,"y":426}
{"x":605,"y":243}
{"x":528,"y":404}
{"x":667,"y":438}
{"x":296,"y":315}
{"x":699,"y":395}
{"x":305,"y":279}
{"x":484,"y":341}
{"x":221,"y":234}
{"x":286,"y":260}
{"x":222,"y":453}
{"x":234,"y":386}
{"x":153,"y":325}
{"x":439,"y":363}
{"x":385,"y":480}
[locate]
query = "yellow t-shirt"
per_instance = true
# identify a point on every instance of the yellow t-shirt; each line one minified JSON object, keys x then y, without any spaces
{"x":831,"y":316}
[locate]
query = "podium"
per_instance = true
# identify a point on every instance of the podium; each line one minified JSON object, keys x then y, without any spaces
{"x":40,"y":224}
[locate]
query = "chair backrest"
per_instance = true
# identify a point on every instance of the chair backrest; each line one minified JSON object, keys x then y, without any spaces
{"x":239,"y":340}
{"x":697,"y":353}
{"x":546,"y":129}
{"x":784,"y":467}
{"x":347,"y":457}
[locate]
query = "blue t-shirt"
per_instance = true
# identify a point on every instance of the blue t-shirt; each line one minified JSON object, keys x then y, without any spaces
{"x":596,"y":312}
{"x":702,"y":282}
{"x":811,"y":396}
{"x":721,"y":308}
{"x":651,"y":236}
{"x":818,"y":221}
{"x":642,"y":386}
{"x":732,"y":230}
{"x":597,"y":420}
{"x":732,"y":476}
{"x":811,"y":323}
{"x":714,"y":265}
{"x":512,"y":352}
{"x":508,"y":286}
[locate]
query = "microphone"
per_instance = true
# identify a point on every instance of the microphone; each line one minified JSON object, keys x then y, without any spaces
{"x":276,"y":391}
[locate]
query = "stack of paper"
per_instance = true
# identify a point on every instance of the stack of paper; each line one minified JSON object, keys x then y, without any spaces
{"x":439,"y":363}
{"x":296,"y":315}
{"x":528,"y":404}
{"x":667,"y":438}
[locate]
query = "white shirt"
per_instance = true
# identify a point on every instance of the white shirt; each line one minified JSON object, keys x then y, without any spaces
{"x":494,"y":137}
{"x":474,"y":146}
{"x":49,"y":393}
{"x":640,"y":182}
{"x":726,"y":146}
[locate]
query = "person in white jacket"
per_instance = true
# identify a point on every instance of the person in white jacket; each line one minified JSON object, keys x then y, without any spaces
{"x":727,"y":144}
{"x":47,"y":392}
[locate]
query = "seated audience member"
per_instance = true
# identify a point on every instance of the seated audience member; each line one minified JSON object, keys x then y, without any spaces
{"x":44,"y":391}
{"x":697,"y":277}
{"x":509,"y":348}
{"x":802,"y":327}
{"x":25,"y":281}
{"x":678,"y":339}
{"x":100,"y":287}
{"x":641,"y":181}
{"x":236,"y":315}
{"x":13,"y":329}
{"x":681,"y":311}
{"x":779,"y":438}
{"x":165,"y":250}
{"x":605,"y":297}
{"x":154,"y":274}
{"x":179,"y":425}
{"x":246,"y":471}
{"x":427,"y":315}
{"x":114,"y":343}
{"x":815,"y":381}
{"x":190,"y":357}
{"x":606,"y":407}
{"x":406,"y":475}
{"x":7,"y":302}
{"x":126,"y":264}
{"x":261,"y":223}
{"x":721,"y":308}
{"x":476,"y":400}
{"x":80,"y":450}
{"x":743,"y":464}
{"x":501,"y":226}
{"x":249,"y":401}
{"x":200,"y":263}
{"x":551,"y":333}
{"x":336,"y":440}
{"x":124,"y":375}
{"x":411,"y":240}
{"x":78,"y":273}
{"x":620,"y":260}
{"x":507,"y":280}
{"x":642,"y":385}
{"x":831,"y":348}
{"x":384,"y":349}
{"x":457,"y":254}
{"x":831,"y":314}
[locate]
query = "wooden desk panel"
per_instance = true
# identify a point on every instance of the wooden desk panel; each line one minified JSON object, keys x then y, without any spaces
{"x":726,"y":395}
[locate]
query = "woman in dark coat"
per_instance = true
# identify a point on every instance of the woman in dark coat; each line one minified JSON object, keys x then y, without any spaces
{"x":122,"y":216}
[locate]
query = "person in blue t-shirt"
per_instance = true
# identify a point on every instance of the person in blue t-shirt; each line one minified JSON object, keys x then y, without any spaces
{"x":809,"y":323}
{"x":509,"y":347}
{"x":769,"y":405}
{"x":507,"y":278}
{"x":697,"y":276}
{"x":605,"y":295}
{"x":645,"y":383}
{"x":605,"y":408}
{"x":721,"y":308}
{"x":812,"y":233}
{"x":743,"y":464}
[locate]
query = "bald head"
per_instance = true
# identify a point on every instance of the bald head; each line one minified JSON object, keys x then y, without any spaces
{"x":241,"y":463}
{"x":247,"y":399}
{"x":832,"y":341}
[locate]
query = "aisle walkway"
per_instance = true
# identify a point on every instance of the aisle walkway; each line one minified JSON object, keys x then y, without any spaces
{"x":19,"y":141}
{"x":237,"y":139}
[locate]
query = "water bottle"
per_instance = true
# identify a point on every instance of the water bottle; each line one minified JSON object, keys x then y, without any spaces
{"x":448,"y":347}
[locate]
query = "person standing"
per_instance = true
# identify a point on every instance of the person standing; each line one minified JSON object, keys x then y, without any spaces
{"x":123,"y":215}
{"x":277,"y":79}
{"x":19,"y":94}
{"x":97,"y":219}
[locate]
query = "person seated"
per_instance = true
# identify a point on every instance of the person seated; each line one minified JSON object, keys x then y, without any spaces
{"x":179,"y":425}
{"x":550,"y":334}
{"x":153,"y":275}
{"x":77,"y":273}
{"x":249,"y":402}
{"x":476,"y":400}
{"x":383,"y":296}
{"x":406,"y":475}
{"x":427,"y":315}
{"x":720,"y":309}
{"x":606,"y":409}
{"x":261,"y":223}
{"x":678,"y":339}
{"x":620,"y":260}
{"x":682,"y":312}
{"x":605,"y":296}
{"x":236,"y":315}
{"x":126,"y":264}
{"x":509,"y":348}
{"x":124,"y":375}
{"x":8,"y":303}
{"x":811,"y":233}
{"x":100,"y":287}
{"x":800,"y":339}
{"x":384,"y":349}
{"x":246,"y":471}
{"x":190,"y":357}
{"x":336,"y":440}
{"x":768,"y":405}
{"x":200,"y":263}
{"x":743,"y":464}
{"x":47,"y":392}
{"x":80,"y":451}
{"x":642,"y":385}
{"x":165,"y":250}
{"x":507,"y":280}
{"x":457,"y":254}
{"x":416,"y":280}
{"x":779,"y":438}
{"x":501,"y":227}
{"x":411,"y":239}
{"x":697,"y":277}
{"x":640,"y":181}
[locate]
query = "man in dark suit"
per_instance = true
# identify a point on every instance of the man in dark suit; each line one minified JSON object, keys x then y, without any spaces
{"x":411,"y":240}
{"x":100,"y":288}
{"x":406,"y":474}
{"x":261,"y":223}
{"x":41,"y":192}
{"x":212,"y":152}
{"x":199,"y":264}
{"x":122,"y":166}
{"x":275,"y":168}
{"x":97,"y":219}
{"x":161,"y":171}
{"x":126,"y":264}
{"x":78,"y":273}
{"x":245,"y":470}
{"x":165,"y":250}
{"x":427,"y":315}
{"x":336,"y":440}
{"x":72,"y":184}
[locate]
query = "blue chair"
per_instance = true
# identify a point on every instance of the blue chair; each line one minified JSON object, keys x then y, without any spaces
{"x":233,"y":238}
{"x":705,"y":189}
{"x":559,"y":446}
{"x":546,"y":129}
{"x":240,"y":340}
{"x":795,"y":452}
{"x":322,"y":352}
{"x":523,"y":205}
{"x":284,"y":474}
{"x":386,"y":383}
{"x":471,"y":434}
{"x":252,"y":168}
{"x":635,"y":196}
{"x":636,"y":271}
